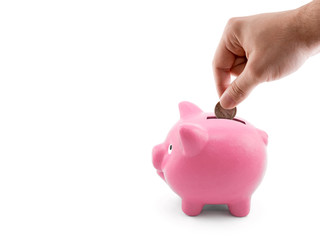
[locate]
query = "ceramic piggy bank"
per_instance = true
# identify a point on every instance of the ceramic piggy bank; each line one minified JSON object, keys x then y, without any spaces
{"x":206,"y":160}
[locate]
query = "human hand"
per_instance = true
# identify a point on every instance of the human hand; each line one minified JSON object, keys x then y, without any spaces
{"x":263,"y":48}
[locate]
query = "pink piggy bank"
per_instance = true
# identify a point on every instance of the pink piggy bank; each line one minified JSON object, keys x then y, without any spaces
{"x":207,"y":160}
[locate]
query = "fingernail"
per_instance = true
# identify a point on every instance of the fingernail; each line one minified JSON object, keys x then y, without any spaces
{"x":227,"y":101}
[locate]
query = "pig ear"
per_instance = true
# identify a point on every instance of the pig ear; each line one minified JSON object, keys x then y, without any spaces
{"x":264,"y":136}
{"x":187,"y":109}
{"x":193,"y":139}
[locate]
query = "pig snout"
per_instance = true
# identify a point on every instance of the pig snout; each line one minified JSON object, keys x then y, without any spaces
{"x":157,"y":156}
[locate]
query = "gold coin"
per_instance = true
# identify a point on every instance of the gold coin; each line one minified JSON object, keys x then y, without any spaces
{"x":224,"y":113}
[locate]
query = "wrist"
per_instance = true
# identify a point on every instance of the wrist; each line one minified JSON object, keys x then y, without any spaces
{"x":307,"y":21}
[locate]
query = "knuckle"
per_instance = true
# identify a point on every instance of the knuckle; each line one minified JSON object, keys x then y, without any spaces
{"x":233,"y":26}
{"x":233,"y":22}
{"x":236,"y":92}
{"x":214,"y":63}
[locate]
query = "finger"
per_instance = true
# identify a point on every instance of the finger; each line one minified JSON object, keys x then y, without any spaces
{"x":238,"y":66}
{"x":239,"y":89}
{"x":222,"y":63}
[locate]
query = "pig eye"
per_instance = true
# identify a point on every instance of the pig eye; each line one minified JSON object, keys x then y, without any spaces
{"x":170,"y":149}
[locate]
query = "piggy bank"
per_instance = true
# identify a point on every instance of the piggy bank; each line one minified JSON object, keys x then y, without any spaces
{"x":206,"y":160}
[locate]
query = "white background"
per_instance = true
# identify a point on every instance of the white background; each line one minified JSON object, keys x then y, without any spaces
{"x":87,"y":88}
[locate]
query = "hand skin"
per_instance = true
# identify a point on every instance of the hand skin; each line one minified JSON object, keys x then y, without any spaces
{"x":262,"y":48}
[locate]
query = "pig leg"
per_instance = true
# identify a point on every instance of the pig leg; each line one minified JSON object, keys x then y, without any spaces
{"x":240,"y":208}
{"x":191,"y":208}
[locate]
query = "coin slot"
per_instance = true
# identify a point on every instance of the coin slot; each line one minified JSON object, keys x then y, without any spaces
{"x":235,"y":119}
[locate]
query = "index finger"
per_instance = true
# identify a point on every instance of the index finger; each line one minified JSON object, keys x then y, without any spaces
{"x":222,"y":63}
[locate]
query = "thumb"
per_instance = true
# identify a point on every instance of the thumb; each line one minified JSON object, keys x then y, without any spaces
{"x":238,"y":90}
